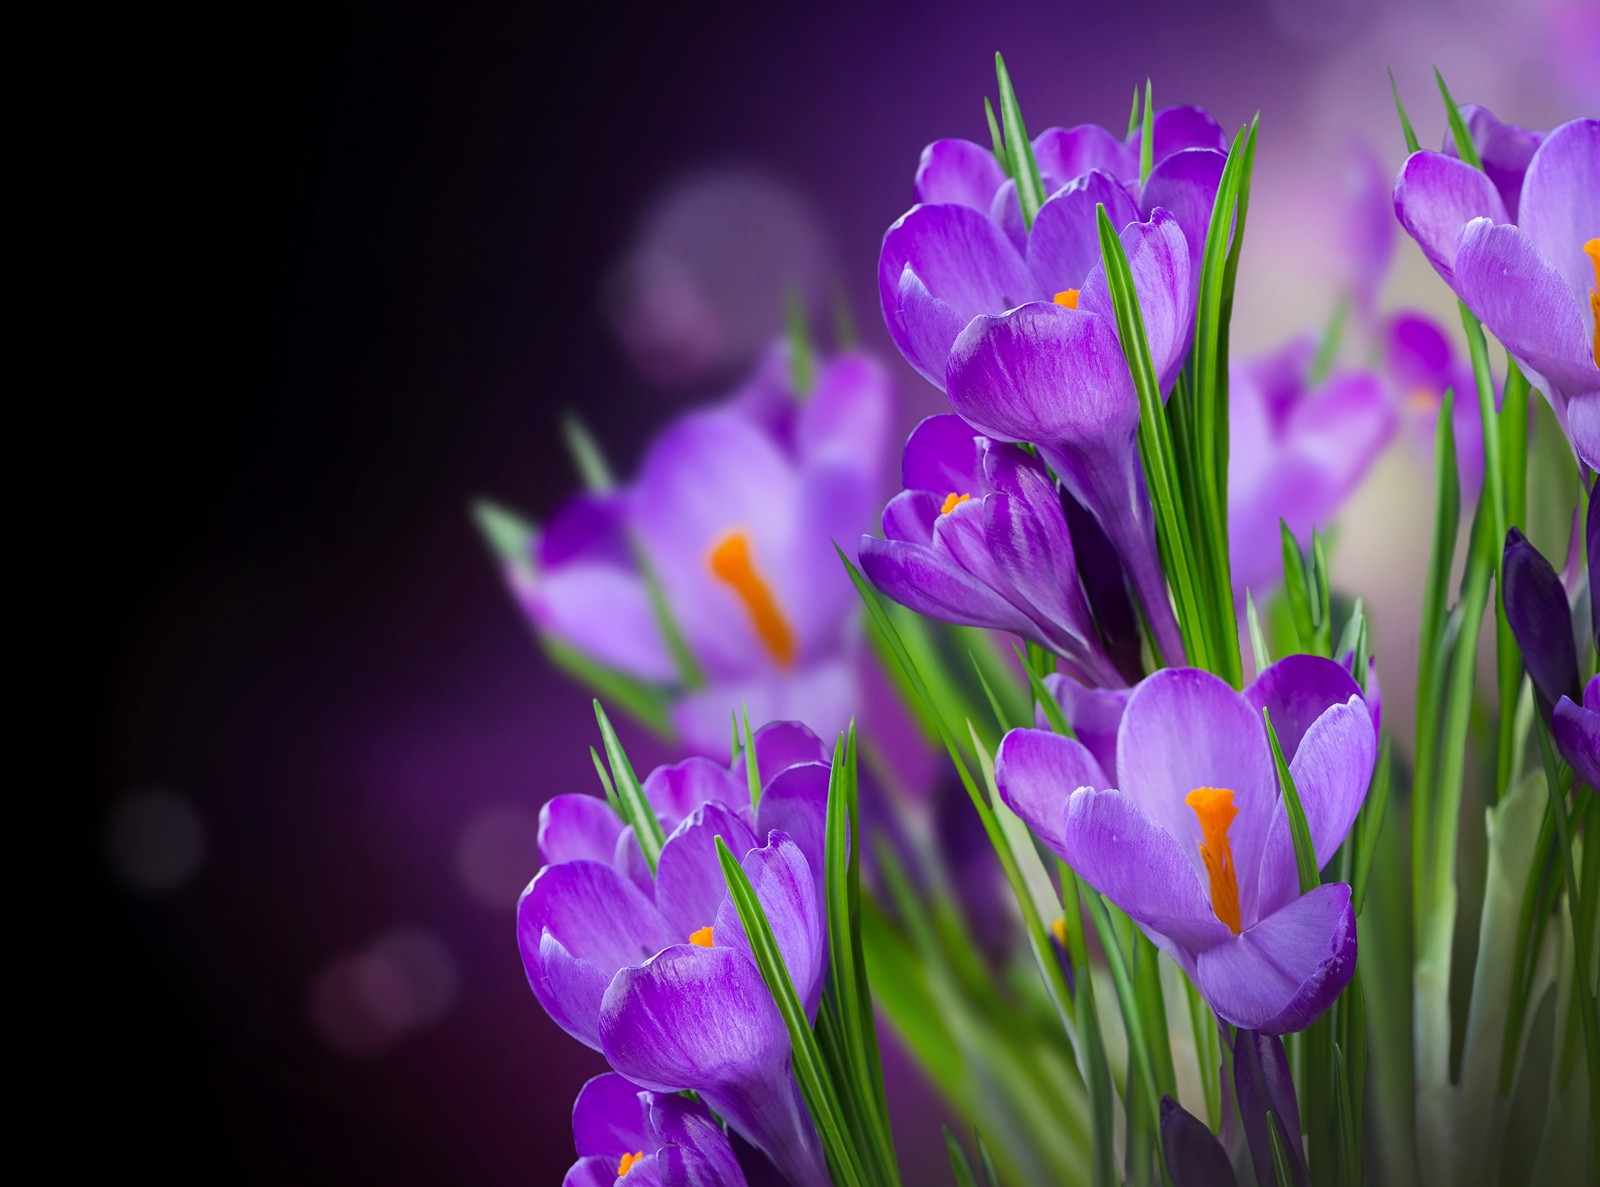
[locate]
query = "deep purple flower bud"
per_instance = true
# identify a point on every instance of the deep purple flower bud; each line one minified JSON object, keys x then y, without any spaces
{"x":1194,"y":1156}
{"x":1262,"y":1081}
{"x":1541,"y":619}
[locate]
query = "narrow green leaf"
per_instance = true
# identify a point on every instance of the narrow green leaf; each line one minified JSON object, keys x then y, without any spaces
{"x":648,"y":704}
{"x":636,"y":809}
{"x":1370,"y":823}
{"x":1046,"y":701}
{"x":1258,"y":641}
{"x":605,"y":781}
{"x":960,"y":1167}
{"x":1280,"y":1156}
{"x":1019,"y":149}
{"x":1298,"y":589}
{"x":587,"y":455}
{"x":1147,"y":147}
{"x":995,"y":137}
{"x":990,"y":1178}
{"x":1322,"y":598}
{"x":1133,"y":113}
{"x":1305,"y":861}
{"x":845,"y":336}
{"x":1405,"y":120}
{"x":508,"y":535}
{"x":1458,"y":126}
{"x":1328,"y":348}
{"x":752,"y":765}
{"x":1003,"y":721}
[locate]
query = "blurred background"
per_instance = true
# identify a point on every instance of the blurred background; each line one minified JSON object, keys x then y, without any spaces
{"x":392,"y":244}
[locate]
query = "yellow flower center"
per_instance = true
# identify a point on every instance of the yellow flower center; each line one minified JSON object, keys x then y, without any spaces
{"x":730,"y":562}
{"x":701,"y":936}
{"x":952,"y":501}
{"x":627,"y":1162}
{"x":1214,"y":808}
{"x":1592,"y":250}
{"x":1067,"y":297}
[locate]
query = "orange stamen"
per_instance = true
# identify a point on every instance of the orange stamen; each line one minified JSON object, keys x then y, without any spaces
{"x":1592,"y":250}
{"x":730,"y":563}
{"x":1214,"y":808}
{"x":627,"y":1162}
{"x":952,"y":501}
{"x":1067,"y":297}
{"x":1058,"y":928}
{"x":701,"y":936}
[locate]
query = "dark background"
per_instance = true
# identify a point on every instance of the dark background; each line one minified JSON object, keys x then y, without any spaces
{"x":350,"y":264}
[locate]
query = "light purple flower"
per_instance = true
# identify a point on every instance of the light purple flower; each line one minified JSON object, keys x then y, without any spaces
{"x":1420,"y":365}
{"x":625,"y":1133}
{"x":736,"y":509}
{"x":656,"y":972}
{"x":1529,"y":268}
{"x":1193,"y":843}
{"x":978,"y":537}
{"x":1295,"y":453}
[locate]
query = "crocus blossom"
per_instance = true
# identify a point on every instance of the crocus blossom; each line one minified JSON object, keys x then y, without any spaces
{"x":655,"y":971}
{"x":647,"y":1139}
{"x":1296,"y":453}
{"x":1194,"y":843}
{"x":735,"y":510}
{"x":1419,"y":365}
{"x":1528,"y":267}
{"x":978,"y":537}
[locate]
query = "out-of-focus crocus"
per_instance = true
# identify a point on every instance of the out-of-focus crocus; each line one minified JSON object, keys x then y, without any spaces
{"x":1194,"y":842}
{"x":1530,"y":269}
{"x":1055,"y":376}
{"x":735,"y":509}
{"x":656,"y":972}
{"x":1194,"y":1156}
{"x":1420,"y":365}
{"x":964,"y":250}
{"x":1540,"y":617}
{"x":1296,"y":453}
{"x":648,"y":1139}
{"x":978,"y":537}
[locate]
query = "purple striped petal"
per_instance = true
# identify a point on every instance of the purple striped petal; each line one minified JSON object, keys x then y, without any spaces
{"x":784,"y":884}
{"x":1036,"y":771}
{"x":1297,"y":690}
{"x":1185,"y":184}
{"x":1095,"y":715}
{"x":959,"y":172}
{"x":689,"y":883}
{"x":1064,"y":245}
{"x":577,"y":828}
{"x":1282,"y":974}
{"x":796,"y":803}
{"x":1561,"y":202}
{"x":609,"y":1118}
{"x":675,"y":791}
{"x":594,"y":1171}
{"x":1577,"y":733}
{"x":1158,"y":259}
{"x":1070,"y":152}
{"x":943,"y":456}
{"x":1504,"y":149}
{"x":1434,"y":197}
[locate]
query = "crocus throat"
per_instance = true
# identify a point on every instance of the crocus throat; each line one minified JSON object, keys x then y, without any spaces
{"x":1067,"y":297}
{"x":730,"y":563}
{"x":627,"y":1162}
{"x":1214,"y":808}
{"x":1592,"y":250}
{"x":701,"y":936}
{"x":952,"y":501}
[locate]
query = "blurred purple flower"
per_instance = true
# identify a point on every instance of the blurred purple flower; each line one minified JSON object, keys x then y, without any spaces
{"x":656,"y":972}
{"x":1530,"y":267}
{"x":650,"y":1139}
{"x":1195,"y":846}
{"x":1296,"y":453}
{"x":978,"y":537}
{"x":1420,"y":364}
{"x":1368,"y":230}
{"x":736,"y":509}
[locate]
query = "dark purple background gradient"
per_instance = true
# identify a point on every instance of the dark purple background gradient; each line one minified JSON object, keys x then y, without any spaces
{"x":382,"y":242}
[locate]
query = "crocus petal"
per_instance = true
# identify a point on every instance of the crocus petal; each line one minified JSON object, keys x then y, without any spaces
{"x":1434,"y":197}
{"x":959,"y":258}
{"x":1262,"y":1085}
{"x":689,"y":883}
{"x":1332,"y":769}
{"x":1583,"y":426}
{"x":1560,"y":209}
{"x":796,"y":802}
{"x":1036,"y":771}
{"x":779,"y":746}
{"x":934,"y":586}
{"x":1194,"y":1156}
{"x":1095,"y":715}
{"x":1280,"y":975}
{"x":676,"y":790}
{"x":1504,"y":149}
{"x":1577,"y":734}
{"x":1064,"y":245}
{"x":1183,"y":729}
{"x":786,"y":888}
{"x":593,"y":1171}
{"x":823,"y":693}
{"x":1296,"y":691}
{"x":577,"y":924}
{"x":1069,"y":152}
{"x":609,"y":1118}
{"x":702,"y":1019}
{"x":959,"y":172}
{"x":847,"y":416}
{"x":603,"y":611}
{"x":1526,"y":303}
{"x":696,"y":1152}
{"x":1186,"y":185}
{"x":1141,"y":868}
{"x":577,"y":828}
{"x":1541,"y":620}
{"x":1177,"y":128}
{"x":942,"y":456}
{"x":1158,"y":259}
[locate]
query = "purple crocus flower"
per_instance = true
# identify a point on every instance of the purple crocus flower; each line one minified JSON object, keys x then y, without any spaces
{"x":736,"y":509}
{"x":1055,"y":376}
{"x":1530,"y":267}
{"x":1541,"y":618}
{"x":1296,"y":453}
{"x":656,"y":972}
{"x":1420,"y":365}
{"x":978,"y":537}
{"x":648,"y":1139}
{"x":1193,"y":843}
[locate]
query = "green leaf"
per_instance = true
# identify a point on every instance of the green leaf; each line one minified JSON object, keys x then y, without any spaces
{"x":990,"y":1178}
{"x":587,"y":455}
{"x":1280,"y":1157}
{"x":509,"y":537}
{"x":802,"y":354}
{"x":960,"y":1166}
{"x":605,"y":781}
{"x":752,"y":767}
{"x":1019,"y":149}
{"x":1305,"y":860}
{"x":1147,"y":148}
{"x":1258,"y":641}
{"x":1133,"y":113}
{"x":1322,"y":604}
{"x":1046,"y":700}
{"x":1458,"y":126}
{"x":995,"y":138}
{"x":1328,"y":348}
{"x":636,"y":809}
{"x":1298,"y":590}
{"x":1370,"y":823}
{"x":648,"y":704}
{"x":1405,"y":120}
